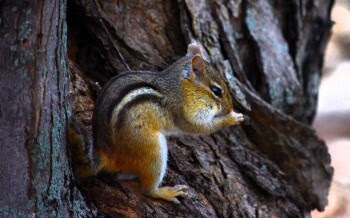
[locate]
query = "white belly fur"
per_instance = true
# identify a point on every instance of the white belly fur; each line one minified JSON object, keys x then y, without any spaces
{"x":163,"y":151}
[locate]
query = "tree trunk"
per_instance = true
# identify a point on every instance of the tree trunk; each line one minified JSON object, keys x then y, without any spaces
{"x":270,"y":52}
{"x":36,"y":180}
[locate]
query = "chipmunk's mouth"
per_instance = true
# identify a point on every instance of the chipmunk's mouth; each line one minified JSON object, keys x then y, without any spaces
{"x":222,"y":115}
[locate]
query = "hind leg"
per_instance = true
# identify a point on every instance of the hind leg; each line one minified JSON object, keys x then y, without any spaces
{"x":152,"y":175}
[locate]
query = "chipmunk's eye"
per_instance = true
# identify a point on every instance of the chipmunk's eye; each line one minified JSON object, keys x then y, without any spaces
{"x":216,"y":90}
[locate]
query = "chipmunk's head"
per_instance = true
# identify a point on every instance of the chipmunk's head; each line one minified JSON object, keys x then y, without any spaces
{"x":207,"y":100}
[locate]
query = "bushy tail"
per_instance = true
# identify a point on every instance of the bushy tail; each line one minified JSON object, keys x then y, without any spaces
{"x":80,"y":144}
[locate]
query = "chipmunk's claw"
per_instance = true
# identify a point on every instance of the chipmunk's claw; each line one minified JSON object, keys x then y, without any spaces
{"x":171,"y":193}
{"x":240,"y":118}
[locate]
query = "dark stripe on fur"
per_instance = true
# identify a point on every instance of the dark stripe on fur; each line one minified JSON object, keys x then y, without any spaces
{"x":138,"y":100}
{"x":126,"y":90}
{"x":127,"y":73}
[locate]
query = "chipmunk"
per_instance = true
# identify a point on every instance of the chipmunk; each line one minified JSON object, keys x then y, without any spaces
{"x":135,"y":112}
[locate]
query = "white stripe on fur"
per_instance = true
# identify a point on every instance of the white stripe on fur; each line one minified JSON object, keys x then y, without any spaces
{"x":129,"y":97}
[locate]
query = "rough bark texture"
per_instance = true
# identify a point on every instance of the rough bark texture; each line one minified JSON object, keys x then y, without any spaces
{"x":271,"y":55}
{"x":269,"y":51}
{"x":36,"y":180}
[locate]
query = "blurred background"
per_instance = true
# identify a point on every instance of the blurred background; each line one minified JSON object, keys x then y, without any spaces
{"x":332,"y":121}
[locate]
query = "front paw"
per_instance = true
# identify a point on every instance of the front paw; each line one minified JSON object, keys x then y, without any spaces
{"x":238,"y":118}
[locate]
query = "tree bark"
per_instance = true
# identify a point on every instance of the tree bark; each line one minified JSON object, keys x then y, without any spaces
{"x":36,"y":180}
{"x":270,"y":53}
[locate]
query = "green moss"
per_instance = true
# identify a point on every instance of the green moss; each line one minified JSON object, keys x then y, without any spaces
{"x":250,"y":20}
{"x":6,"y":211}
{"x":13,"y":48}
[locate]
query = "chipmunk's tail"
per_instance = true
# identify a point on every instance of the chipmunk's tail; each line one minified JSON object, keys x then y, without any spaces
{"x":80,"y":146}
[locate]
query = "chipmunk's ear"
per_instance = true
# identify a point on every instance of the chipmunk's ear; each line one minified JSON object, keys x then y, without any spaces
{"x":197,"y":65}
{"x":197,"y":62}
{"x":193,"y":49}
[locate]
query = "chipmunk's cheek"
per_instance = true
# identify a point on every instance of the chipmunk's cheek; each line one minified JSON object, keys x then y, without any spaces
{"x":204,"y":116}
